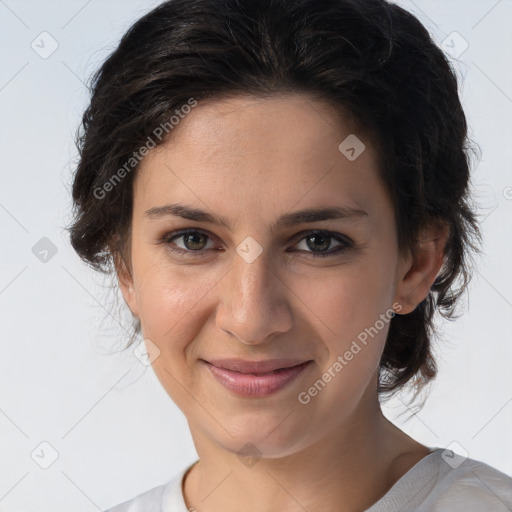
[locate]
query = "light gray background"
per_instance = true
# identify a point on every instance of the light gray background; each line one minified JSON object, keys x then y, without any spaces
{"x":115,"y":430}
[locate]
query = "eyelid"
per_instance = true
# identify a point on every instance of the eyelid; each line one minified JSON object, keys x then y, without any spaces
{"x":344,"y":241}
{"x":168,"y":237}
{"x":340,"y":237}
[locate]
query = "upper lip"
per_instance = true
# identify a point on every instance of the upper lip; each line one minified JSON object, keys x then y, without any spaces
{"x":244,"y":366}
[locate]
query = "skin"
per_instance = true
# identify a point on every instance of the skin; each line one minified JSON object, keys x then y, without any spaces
{"x":252,"y":160}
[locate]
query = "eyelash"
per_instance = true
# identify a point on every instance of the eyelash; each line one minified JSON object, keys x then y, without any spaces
{"x":345,"y":241}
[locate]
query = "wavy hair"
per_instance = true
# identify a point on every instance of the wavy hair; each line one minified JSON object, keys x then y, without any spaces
{"x":370,"y":59}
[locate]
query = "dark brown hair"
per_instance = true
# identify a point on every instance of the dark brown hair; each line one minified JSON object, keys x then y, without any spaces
{"x":368,"y":58}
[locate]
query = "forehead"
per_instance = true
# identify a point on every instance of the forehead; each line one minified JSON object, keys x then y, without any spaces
{"x":281,"y":123}
{"x":259,"y":154}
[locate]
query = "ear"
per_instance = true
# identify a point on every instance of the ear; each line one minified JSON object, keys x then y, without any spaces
{"x":417,"y":273}
{"x":125,"y":279}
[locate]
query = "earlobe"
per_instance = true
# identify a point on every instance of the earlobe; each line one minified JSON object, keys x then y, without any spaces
{"x":418,"y":271}
{"x":125,"y":280}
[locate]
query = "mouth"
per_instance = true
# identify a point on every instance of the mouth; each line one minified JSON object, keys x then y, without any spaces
{"x":256,"y":378}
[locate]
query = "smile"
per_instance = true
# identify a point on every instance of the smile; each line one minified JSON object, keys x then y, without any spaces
{"x":247,"y":381}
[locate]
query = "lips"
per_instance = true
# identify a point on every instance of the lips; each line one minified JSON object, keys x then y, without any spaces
{"x":256,"y":379}
{"x":256,"y":367}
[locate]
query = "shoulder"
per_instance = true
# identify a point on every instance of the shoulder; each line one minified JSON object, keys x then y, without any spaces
{"x":444,"y":481}
{"x":469,"y":484}
{"x":148,"y":500}
{"x":167,"y":497}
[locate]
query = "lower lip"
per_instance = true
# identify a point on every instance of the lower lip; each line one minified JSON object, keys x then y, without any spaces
{"x":256,"y":385}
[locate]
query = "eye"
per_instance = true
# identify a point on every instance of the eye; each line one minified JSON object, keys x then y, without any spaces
{"x":319,"y":243}
{"x":194,"y":243}
{"x":191,"y":242}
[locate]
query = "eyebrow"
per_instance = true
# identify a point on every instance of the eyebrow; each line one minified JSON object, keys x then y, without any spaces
{"x":286,"y":220}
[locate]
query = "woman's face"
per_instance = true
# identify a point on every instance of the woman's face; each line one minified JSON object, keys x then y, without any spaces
{"x":263,"y":285}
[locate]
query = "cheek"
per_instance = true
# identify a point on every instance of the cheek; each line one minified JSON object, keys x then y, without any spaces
{"x":347,"y":298}
{"x":353,"y":303}
{"x":354,"y":309}
{"x":169,"y":299}
{"x":172,"y":313}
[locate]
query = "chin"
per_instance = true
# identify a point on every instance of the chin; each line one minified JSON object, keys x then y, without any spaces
{"x":258,"y":435}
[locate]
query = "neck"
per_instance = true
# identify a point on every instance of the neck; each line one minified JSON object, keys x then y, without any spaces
{"x":349,"y":469}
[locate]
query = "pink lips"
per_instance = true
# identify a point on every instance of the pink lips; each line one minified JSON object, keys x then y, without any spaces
{"x":256,"y":378}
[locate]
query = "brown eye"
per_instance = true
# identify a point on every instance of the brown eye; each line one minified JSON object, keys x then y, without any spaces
{"x":192,"y":242}
{"x":318,"y":243}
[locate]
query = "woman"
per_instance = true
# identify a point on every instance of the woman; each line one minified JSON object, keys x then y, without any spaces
{"x":281,"y":188}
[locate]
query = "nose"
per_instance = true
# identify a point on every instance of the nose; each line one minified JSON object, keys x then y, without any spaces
{"x":253,"y":302}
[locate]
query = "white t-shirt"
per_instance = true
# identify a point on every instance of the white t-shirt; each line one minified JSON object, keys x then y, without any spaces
{"x":440,"y":482}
